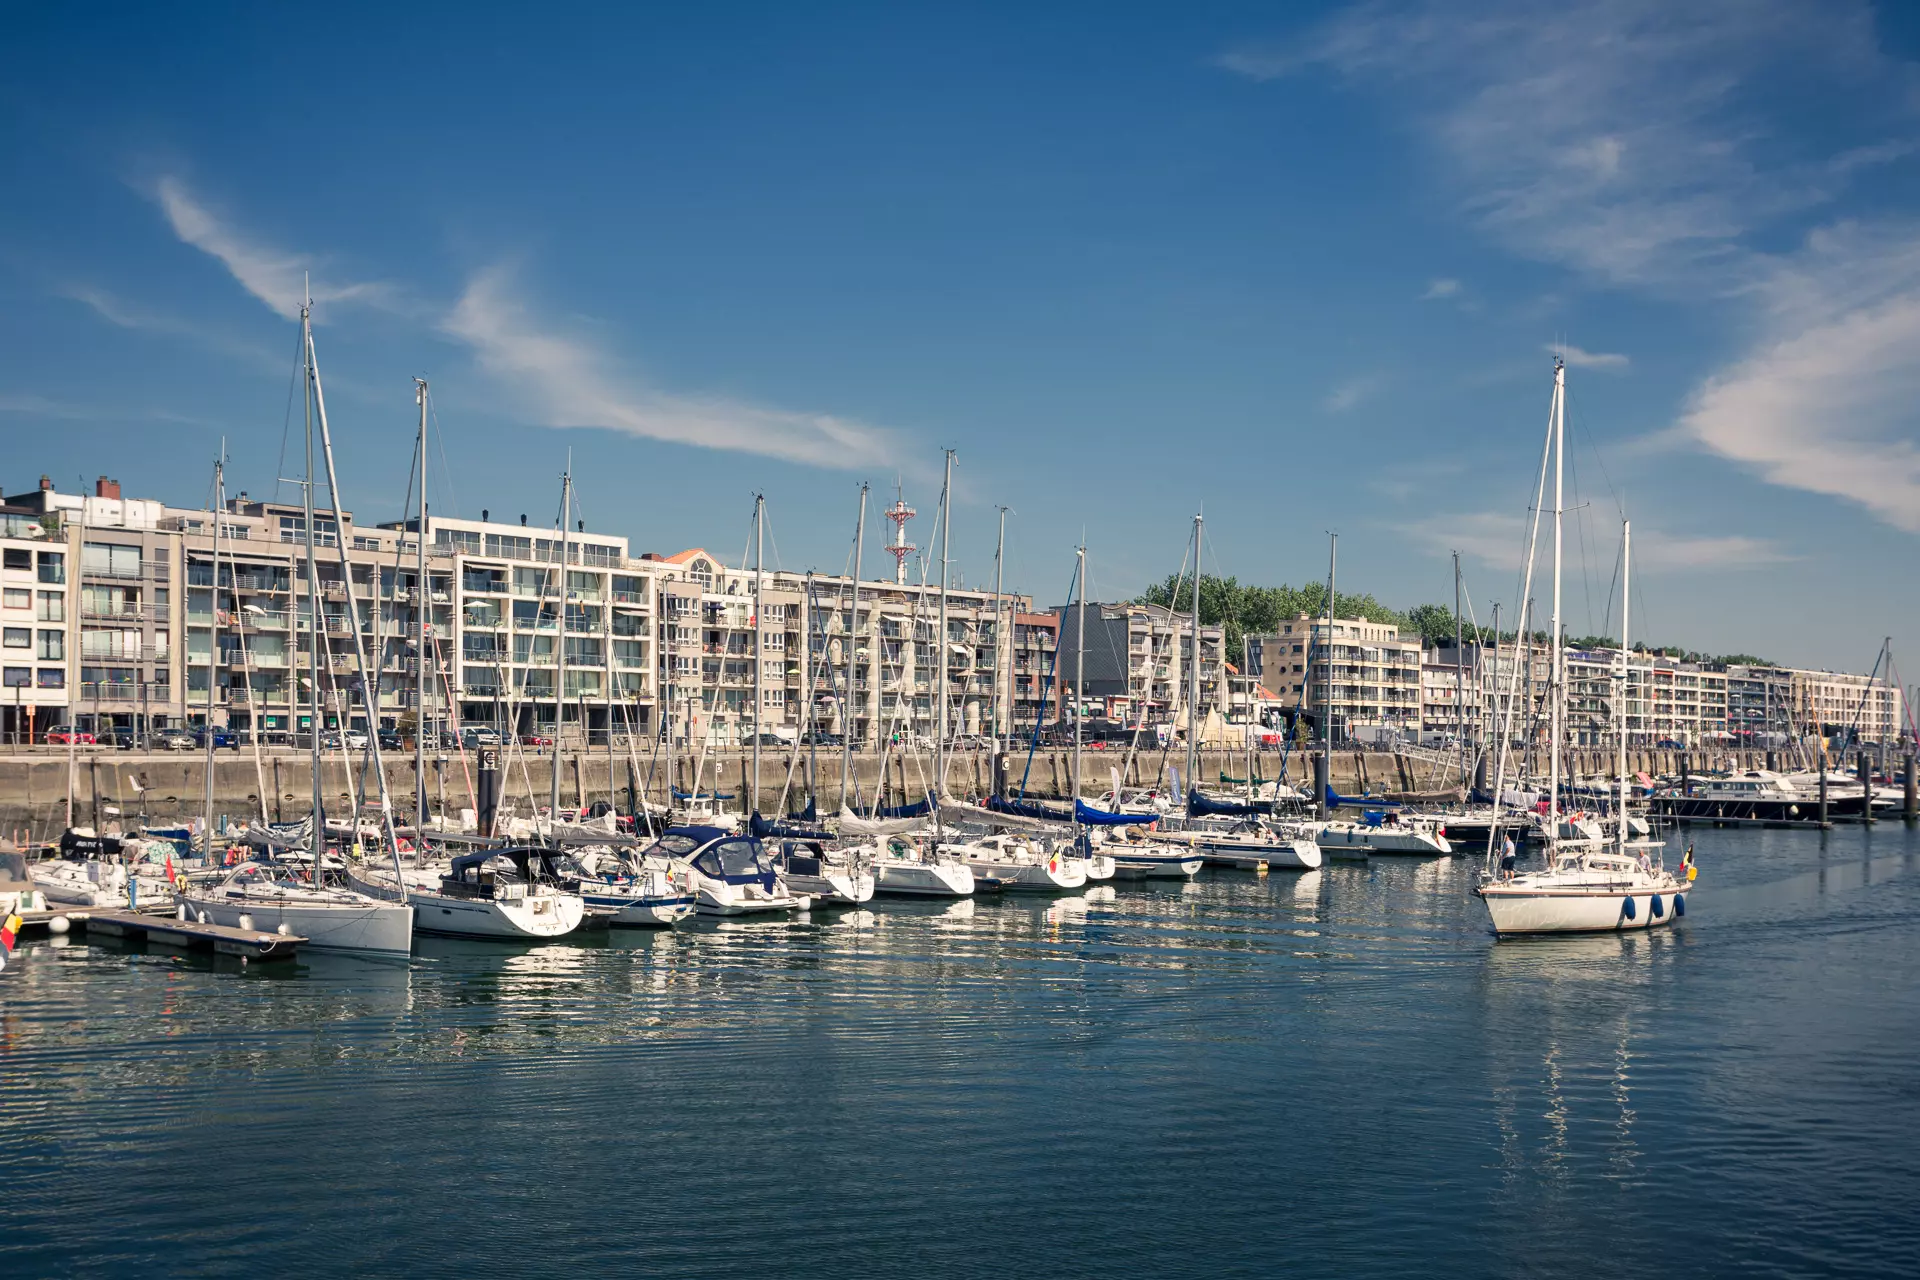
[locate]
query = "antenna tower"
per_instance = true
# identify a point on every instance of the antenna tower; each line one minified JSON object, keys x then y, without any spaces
{"x":900,"y":548}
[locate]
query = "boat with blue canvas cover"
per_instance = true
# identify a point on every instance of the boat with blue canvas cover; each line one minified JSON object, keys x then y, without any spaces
{"x":731,"y":873}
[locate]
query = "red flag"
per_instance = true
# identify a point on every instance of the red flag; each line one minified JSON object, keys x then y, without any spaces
{"x":170,"y":875}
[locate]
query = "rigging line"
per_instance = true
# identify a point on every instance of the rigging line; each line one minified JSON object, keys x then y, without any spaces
{"x":286,"y":424}
{"x":439,"y":437}
{"x":1619,"y":504}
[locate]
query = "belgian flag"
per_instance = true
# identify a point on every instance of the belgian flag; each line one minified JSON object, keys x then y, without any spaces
{"x":8,"y":932}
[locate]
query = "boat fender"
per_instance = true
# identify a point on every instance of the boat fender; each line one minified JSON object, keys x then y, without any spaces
{"x":181,"y":912}
{"x":1679,"y":905}
{"x":58,"y":925}
{"x":283,"y":928}
{"x":1627,"y":908}
{"x":1658,"y":909}
{"x":246,"y":922}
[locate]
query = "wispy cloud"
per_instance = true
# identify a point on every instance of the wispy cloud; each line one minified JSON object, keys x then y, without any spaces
{"x":567,"y":382}
{"x":1349,"y":394}
{"x":1498,"y":540}
{"x":1580,"y":358}
{"x":274,"y":276}
{"x":1444,"y":287}
{"x":131,"y":316}
{"x":27,"y":402}
{"x":1643,"y":144}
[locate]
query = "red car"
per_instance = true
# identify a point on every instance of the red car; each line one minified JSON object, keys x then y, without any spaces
{"x":67,"y":736}
{"x":535,"y":740}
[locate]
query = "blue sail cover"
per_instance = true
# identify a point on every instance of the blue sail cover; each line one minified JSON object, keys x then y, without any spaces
{"x":1335,"y":800}
{"x":1028,"y":809}
{"x":1200,"y":805}
{"x":1092,"y":817}
{"x":766,"y":829}
{"x":678,"y":794}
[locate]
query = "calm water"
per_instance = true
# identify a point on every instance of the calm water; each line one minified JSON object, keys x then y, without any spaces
{"x":1331,"y":1074}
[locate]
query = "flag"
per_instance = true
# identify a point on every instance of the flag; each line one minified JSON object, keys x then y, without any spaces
{"x":8,"y":932}
{"x":170,"y":876}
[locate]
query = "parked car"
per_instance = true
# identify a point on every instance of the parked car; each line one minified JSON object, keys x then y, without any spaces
{"x":173,"y":740}
{"x":122,"y":739}
{"x":767,"y":740}
{"x":65,"y":735}
{"x":535,"y":740}
{"x":390,"y":740}
{"x":222,"y":739}
{"x":479,"y":737}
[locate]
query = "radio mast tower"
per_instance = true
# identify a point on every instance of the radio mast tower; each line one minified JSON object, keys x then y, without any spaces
{"x":900,"y":513}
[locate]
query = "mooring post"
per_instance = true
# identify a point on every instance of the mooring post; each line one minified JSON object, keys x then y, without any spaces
{"x":1910,"y":810}
{"x":1866,"y":787}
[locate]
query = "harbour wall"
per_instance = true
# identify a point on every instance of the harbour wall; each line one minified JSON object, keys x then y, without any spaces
{"x":109,"y":789}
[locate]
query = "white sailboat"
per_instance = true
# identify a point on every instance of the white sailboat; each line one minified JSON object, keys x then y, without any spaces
{"x":1391,"y":833}
{"x":510,"y":895}
{"x":1585,"y":887}
{"x":1013,"y":861}
{"x":635,"y":890}
{"x":908,"y":867}
{"x":269,"y":898}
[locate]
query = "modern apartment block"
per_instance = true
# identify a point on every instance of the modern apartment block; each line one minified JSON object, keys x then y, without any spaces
{"x":1376,"y":675}
{"x":1137,"y":662}
{"x":35,"y":623}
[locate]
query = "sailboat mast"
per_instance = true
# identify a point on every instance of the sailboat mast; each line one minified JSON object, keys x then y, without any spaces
{"x":1459,"y":681}
{"x":1079,"y":681}
{"x":421,"y":606}
{"x":1558,"y":677}
{"x":1326,"y":685}
{"x":940,"y":649}
{"x":213,"y":638}
{"x":1626,"y":664}
{"x":1193,"y":667}
{"x":849,"y":715}
{"x":999,"y":631}
{"x":315,"y":614}
{"x":759,"y":648}
{"x":560,"y":648}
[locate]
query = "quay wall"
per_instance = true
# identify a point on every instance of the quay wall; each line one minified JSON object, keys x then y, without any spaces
{"x":36,"y":789}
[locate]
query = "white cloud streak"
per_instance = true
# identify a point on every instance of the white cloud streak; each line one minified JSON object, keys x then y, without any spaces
{"x":1498,"y":539}
{"x":125,"y":315}
{"x":1443,"y":287}
{"x":565,"y":382}
{"x":1351,"y":393}
{"x":1579,"y":358}
{"x":1646,"y":145}
{"x":276,"y":277}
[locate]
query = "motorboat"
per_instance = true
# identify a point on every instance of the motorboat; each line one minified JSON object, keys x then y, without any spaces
{"x":274,"y":898}
{"x":1137,"y":856}
{"x":1147,"y":802}
{"x":644,"y":890}
{"x":105,"y":871}
{"x":732,"y":874}
{"x":1385,"y":833}
{"x":1016,"y":861}
{"x":515,"y":894}
{"x":904,"y":868}
{"x":1759,"y":796}
{"x":828,"y":875}
{"x":1588,"y":891}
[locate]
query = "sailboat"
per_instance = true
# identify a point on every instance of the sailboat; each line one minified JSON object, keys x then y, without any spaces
{"x":269,"y":896}
{"x":1585,"y":887}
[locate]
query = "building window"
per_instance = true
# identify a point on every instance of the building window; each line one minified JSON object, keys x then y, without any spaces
{"x":53,"y":566}
{"x":53,"y":646}
{"x":19,"y":598}
{"x":19,"y":677}
{"x":53,"y":677}
{"x":19,"y":558}
{"x":19,"y":638}
{"x":109,"y":560}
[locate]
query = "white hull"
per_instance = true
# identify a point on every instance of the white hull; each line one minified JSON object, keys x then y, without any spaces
{"x":1035,"y":877}
{"x":1158,"y":865}
{"x":1293,"y":855}
{"x":834,"y":884}
{"x":923,"y":879}
{"x":1100,"y":868}
{"x":725,"y":900}
{"x":1383,"y":840}
{"x":640,"y":912}
{"x":1580,"y":911}
{"x":68,"y":884}
{"x":535,"y":917}
{"x":368,"y":925}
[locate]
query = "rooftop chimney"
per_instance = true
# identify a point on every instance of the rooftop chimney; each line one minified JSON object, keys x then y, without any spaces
{"x":46,"y":484}
{"x":105,"y":488}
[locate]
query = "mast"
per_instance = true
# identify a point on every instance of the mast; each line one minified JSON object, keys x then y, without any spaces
{"x":1193,"y":668}
{"x":848,"y":716}
{"x":1626,"y":665}
{"x":1557,"y":680}
{"x":999,"y":632}
{"x":369,"y":681}
{"x":1326,"y":684}
{"x":1459,"y":681}
{"x":606,"y":654}
{"x":810,"y":722}
{"x":315,"y":619}
{"x":940,"y":649}
{"x":560,"y":648}
{"x":213,"y":643}
{"x":420,"y":610}
{"x":1079,"y":683}
{"x":759,"y":648}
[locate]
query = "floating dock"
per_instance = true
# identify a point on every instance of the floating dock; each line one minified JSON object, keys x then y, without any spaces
{"x":250,"y":944}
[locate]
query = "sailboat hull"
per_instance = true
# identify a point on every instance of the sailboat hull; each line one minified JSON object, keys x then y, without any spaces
{"x":384,"y":928}
{"x":1518,"y":912}
{"x":907,"y":879}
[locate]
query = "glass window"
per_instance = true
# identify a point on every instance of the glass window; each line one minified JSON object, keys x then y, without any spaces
{"x":53,"y":566}
{"x":19,"y":677}
{"x":19,"y":558}
{"x":19,"y":598}
{"x":53,"y":677}
{"x":53,"y":646}
{"x":19,"y":637}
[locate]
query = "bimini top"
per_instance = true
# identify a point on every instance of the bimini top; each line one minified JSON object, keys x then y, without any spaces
{"x":521,"y":858}
{"x":680,"y":842}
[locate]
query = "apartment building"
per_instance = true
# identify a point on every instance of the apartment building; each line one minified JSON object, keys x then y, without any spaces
{"x":35,"y":620}
{"x":1137,"y":662}
{"x":1375,"y":675}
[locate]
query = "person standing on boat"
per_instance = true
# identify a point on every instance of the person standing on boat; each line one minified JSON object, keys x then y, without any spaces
{"x":1506,"y":857}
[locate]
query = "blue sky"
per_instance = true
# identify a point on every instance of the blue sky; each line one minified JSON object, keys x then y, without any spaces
{"x":1304,"y":268}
